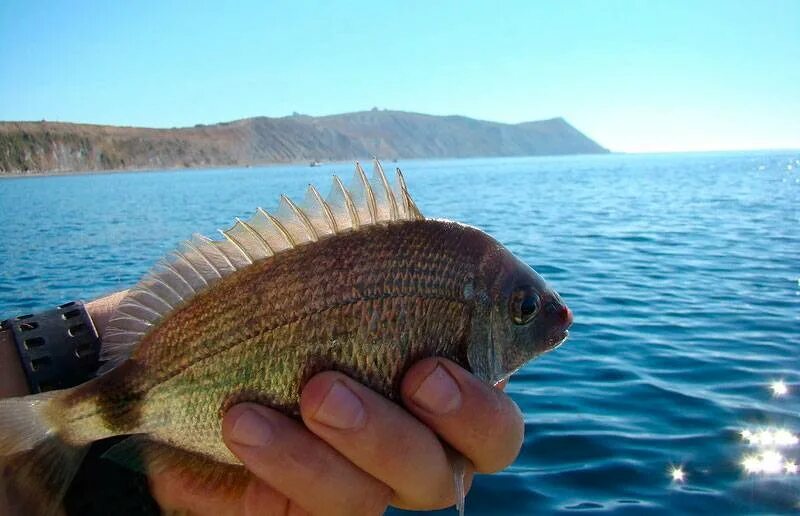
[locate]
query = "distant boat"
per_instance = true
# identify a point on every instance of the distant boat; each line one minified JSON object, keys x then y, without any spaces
{"x":315,"y":163}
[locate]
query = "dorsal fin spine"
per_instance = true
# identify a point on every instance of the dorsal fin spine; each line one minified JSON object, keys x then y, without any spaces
{"x":143,"y":306}
{"x":172,"y":268}
{"x":236,"y":244}
{"x":348,"y":201}
{"x":368,"y":193}
{"x":131,"y":332}
{"x":326,"y":209}
{"x":259,"y":238}
{"x":393,"y":215}
{"x":282,"y":230}
{"x":312,"y":233}
{"x":166,"y":285}
{"x":205,"y":258}
{"x":411,"y":208}
{"x":188,"y":262}
{"x":119,"y":314}
{"x":208,"y":241}
{"x":155,"y":296}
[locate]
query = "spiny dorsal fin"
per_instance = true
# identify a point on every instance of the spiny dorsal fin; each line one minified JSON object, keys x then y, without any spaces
{"x":200,"y":262}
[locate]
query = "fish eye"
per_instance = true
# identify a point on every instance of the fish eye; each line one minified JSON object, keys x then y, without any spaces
{"x":525,"y":304}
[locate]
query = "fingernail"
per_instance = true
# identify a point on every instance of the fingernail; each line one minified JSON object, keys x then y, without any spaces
{"x":251,"y":429}
{"x":438,"y":393}
{"x":341,"y":408}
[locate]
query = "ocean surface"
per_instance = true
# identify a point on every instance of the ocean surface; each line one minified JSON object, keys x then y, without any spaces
{"x":683,"y":271}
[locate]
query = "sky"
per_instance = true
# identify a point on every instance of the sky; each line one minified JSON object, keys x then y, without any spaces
{"x":636,"y":76}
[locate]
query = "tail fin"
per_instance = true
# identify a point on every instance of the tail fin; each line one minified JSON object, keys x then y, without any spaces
{"x":37,"y":466}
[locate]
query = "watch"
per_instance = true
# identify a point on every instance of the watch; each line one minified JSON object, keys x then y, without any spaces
{"x":58,"y":348}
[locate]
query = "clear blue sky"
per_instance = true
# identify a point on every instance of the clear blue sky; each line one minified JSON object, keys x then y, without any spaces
{"x":634,"y":75}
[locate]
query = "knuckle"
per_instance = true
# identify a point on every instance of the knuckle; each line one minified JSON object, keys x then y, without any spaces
{"x":167,"y":487}
{"x":367,"y":500}
{"x":292,"y":509}
{"x":315,"y":468}
{"x":404,"y":444}
{"x":375,"y":502}
{"x":368,"y":496}
{"x":260,"y":499}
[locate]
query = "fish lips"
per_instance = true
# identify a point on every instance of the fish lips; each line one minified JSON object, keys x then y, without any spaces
{"x":555,"y":340}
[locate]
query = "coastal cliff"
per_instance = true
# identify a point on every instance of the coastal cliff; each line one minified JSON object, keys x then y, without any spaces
{"x":34,"y":147}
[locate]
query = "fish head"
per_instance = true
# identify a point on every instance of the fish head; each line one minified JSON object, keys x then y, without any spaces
{"x":522,"y":318}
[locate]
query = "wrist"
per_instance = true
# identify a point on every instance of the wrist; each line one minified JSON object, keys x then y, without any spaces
{"x":101,"y":309}
{"x":12,"y":376}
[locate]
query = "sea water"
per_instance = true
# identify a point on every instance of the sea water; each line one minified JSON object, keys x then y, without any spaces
{"x":678,"y":389}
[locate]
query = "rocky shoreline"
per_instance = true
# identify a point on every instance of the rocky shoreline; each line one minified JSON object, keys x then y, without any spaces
{"x":28,"y":148}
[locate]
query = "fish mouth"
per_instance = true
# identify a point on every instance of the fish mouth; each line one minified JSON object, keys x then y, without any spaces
{"x":556,"y":340}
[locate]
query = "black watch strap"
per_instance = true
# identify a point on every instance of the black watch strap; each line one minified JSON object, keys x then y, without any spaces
{"x":58,"y":348}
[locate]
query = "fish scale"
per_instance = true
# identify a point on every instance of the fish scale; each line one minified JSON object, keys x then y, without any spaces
{"x":290,"y":340}
{"x":282,"y":298}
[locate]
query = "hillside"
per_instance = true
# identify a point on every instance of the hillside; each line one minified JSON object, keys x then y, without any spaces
{"x":31,"y":147}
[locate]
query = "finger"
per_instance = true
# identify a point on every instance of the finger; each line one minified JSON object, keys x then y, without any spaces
{"x":476,"y":419}
{"x":381,"y":438}
{"x":261,"y":499}
{"x":176,"y":489}
{"x":286,"y":456}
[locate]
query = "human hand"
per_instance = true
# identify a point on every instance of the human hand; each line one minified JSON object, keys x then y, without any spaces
{"x":358,"y":452}
{"x":12,"y":375}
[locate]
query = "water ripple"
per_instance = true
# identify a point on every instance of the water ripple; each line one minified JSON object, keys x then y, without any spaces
{"x":682,"y":272}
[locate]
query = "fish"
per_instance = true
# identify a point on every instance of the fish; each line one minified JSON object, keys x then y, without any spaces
{"x":358,"y":282}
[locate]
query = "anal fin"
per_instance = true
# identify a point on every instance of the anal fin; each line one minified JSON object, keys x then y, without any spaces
{"x":194,"y":472}
{"x":459,"y":465}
